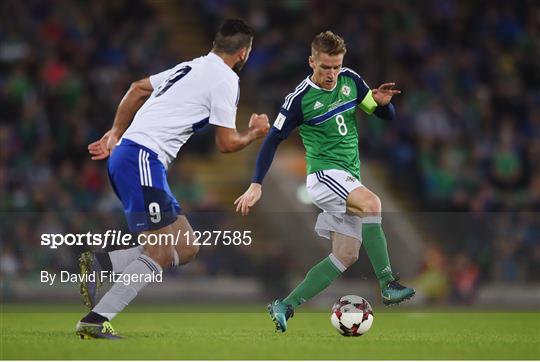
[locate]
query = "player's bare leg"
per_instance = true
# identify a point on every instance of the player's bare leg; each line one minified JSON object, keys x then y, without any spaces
{"x":154,"y":259}
{"x":361,"y":201}
{"x":345,"y":248}
{"x":185,"y":248}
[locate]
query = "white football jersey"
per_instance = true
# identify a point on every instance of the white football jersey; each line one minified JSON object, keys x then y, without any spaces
{"x":185,"y":99}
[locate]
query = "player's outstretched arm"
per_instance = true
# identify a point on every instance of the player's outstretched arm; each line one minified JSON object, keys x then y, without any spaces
{"x":135,"y":97}
{"x":230,"y":140}
{"x":264,"y":160}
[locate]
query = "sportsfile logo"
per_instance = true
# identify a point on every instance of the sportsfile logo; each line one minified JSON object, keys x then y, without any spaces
{"x":108,"y":238}
{"x":122,"y":239}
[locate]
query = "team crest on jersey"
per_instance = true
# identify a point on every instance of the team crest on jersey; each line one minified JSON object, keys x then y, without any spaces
{"x":346,"y":90}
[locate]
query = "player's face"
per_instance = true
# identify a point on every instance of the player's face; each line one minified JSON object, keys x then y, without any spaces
{"x":325,"y":69}
{"x":243,"y":56}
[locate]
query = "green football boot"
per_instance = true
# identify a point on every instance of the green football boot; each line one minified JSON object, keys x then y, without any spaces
{"x":96,"y":331}
{"x":88,"y":265}
{"x":280,"y":312}
{"x":395,"y":293}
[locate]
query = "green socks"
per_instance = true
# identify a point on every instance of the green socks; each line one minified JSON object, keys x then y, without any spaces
{"x":330,"y":268}
{"x":374,"y":241}
{"x":317,"y":279}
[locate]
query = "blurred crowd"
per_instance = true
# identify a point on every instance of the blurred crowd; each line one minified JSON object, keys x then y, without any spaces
{"x":482,"y":247}
{"x":64,"y":67}
{"x":466,"y":137}
{"x":467,"y":133}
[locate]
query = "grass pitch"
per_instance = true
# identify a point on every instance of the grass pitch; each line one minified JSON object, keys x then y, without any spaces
{"x":204,"y":334}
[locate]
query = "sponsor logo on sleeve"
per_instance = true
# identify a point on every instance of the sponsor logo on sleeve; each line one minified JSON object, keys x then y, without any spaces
{"x":280,"y":120}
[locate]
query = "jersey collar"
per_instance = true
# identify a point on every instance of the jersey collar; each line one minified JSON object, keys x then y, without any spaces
{"x":216,"y":58}
{"x":310,"y":82}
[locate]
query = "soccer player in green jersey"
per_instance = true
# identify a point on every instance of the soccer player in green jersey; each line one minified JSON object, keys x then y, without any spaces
{"x":323,"y":107}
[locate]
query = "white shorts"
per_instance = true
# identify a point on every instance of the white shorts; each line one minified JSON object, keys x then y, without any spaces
{"x":328,"y":190}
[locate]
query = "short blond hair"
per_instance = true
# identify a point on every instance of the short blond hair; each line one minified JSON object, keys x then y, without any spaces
{"x":329,"y":43}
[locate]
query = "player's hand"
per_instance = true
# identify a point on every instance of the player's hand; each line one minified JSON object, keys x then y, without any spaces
{"x":383,"y":95}
{"x":260,"y":124}
{"x":102,"y":148}
{"x":249,"y":198}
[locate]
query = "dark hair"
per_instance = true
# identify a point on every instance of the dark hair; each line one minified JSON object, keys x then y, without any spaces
{"x":329,"y":43}
{"x":234,"y":34}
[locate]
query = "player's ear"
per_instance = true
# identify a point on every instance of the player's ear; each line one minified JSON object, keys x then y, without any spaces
{"x":242,"y":55}
{"x":311,"y":62}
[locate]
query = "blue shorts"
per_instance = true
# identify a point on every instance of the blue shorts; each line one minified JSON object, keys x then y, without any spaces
{"x":140,"y":181}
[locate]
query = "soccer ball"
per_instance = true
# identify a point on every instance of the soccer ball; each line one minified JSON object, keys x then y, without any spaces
{"x":352,"y":316}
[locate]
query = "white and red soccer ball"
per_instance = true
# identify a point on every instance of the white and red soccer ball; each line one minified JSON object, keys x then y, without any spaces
{"x":352,"y":316}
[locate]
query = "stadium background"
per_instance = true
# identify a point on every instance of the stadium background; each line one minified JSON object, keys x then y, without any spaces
{"x":458,"y":170}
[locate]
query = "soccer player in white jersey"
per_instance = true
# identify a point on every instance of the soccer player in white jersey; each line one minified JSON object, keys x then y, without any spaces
{"x":167,"y":109}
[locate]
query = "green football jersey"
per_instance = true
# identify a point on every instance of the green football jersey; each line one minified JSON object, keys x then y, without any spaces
{"x":327,"y":121}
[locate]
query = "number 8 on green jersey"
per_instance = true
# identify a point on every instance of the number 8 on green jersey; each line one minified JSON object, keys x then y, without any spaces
{"x":327,"y":121}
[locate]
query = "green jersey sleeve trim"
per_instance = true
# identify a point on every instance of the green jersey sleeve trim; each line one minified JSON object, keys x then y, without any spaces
{"x":368,"y":104}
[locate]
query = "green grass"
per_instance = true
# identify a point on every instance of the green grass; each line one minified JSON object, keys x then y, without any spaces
{"x":230,"y":335}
